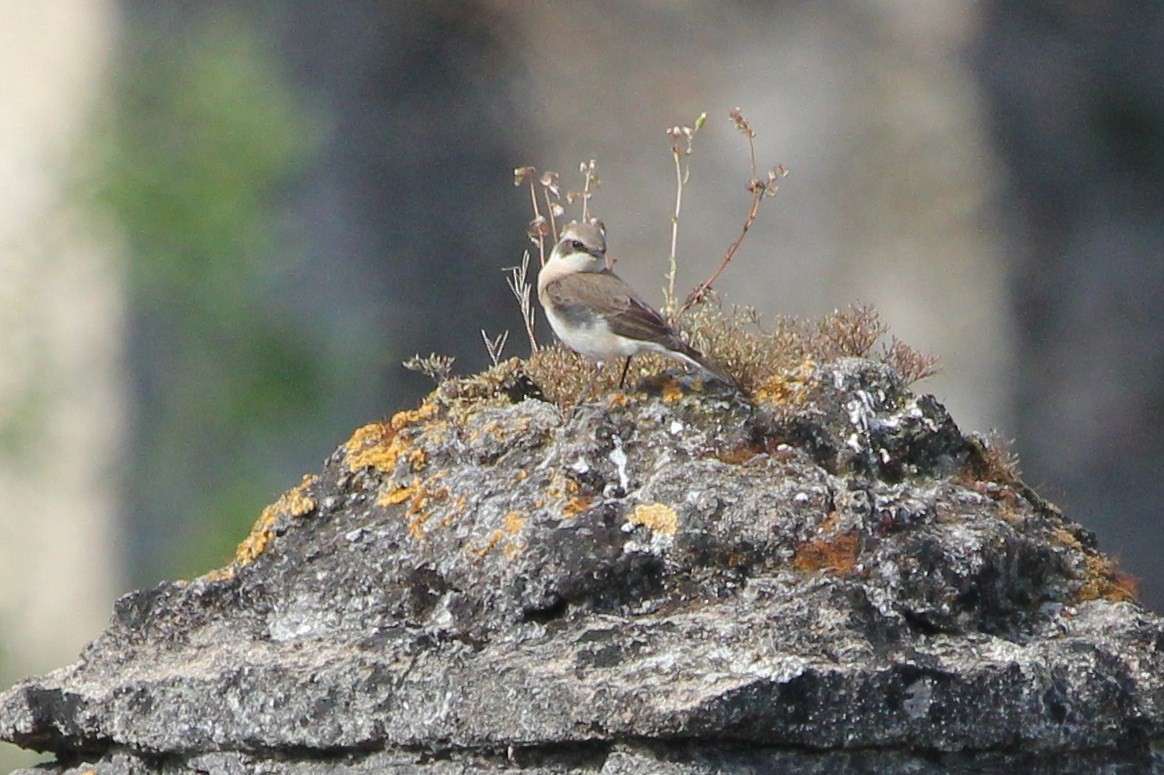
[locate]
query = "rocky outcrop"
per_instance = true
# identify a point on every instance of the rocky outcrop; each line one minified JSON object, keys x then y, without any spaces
{"x":663,"y":581}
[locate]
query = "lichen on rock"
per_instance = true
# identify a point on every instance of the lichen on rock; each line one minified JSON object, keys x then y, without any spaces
{"x":828,"y":576}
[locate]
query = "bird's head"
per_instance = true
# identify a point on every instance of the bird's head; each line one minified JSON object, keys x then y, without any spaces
{"x":582,"y":247}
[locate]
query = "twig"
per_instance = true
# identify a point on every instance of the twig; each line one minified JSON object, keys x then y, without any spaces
{"x":760,"y":190}
{"x":682,"y":174}
{"x":587,"y":170}
{"x":589,"y":178}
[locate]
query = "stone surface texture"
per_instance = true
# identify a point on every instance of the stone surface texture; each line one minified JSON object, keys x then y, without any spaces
{"x":661,"y":581}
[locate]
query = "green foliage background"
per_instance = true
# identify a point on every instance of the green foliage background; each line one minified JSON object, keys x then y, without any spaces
{"x":203,"y":134}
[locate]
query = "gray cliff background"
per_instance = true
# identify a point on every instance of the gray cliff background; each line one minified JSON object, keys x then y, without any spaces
{"x":222,"y":230}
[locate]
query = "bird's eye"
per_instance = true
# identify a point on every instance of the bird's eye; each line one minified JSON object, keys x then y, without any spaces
{"x":578,"y":245}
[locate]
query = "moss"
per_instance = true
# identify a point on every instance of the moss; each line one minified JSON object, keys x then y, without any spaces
{"x":773,"y":360}
{"x":787,"y":387}
{"x":1105,"y":581}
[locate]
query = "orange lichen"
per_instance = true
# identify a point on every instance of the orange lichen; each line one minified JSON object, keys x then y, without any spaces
{"x":221,"y":574}
{"x":398,"y":494}
{"x":380,"y":445}
{"x":422,"y":497}
{"x":295,"y":503}
{"x":296,"y":500}
{"x":513,"y":522}
{"x":256,"y":541}
{"x":671,"y":392}
{"x":565,"y":489}
{"x":416,"y":525}
{"x":576,"y":505}
{"x":428,"y":492}
{"x":511,"y":525}
{"x":369,"y":447}
{"x":836,"y":553}
{"x":426,"y":411}
{"x":656,"y":517}
{"x":490,"y":543}
{"x":561,"y":486}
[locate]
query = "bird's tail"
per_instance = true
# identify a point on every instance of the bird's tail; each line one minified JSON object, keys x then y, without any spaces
{"x":700,"y":361}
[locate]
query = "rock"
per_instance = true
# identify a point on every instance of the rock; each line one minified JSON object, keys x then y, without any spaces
{"x":663,"y":582}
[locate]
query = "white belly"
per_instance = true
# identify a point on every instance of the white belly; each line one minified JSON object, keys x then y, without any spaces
{"x":593,"y":340}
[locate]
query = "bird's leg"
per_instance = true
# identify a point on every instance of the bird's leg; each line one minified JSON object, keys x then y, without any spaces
{"x":625,"y":368}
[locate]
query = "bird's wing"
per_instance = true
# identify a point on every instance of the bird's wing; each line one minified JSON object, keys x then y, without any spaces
{"x":587,"y":295}
{"x":584,"y":298}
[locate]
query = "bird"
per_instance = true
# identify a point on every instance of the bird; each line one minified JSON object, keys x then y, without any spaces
{"x":598,"y":315}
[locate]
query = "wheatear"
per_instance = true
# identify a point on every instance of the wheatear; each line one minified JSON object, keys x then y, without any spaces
{"x":597,"y":314}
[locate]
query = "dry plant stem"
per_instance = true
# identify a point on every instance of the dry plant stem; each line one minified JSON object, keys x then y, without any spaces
{"x":672,"y":263}
{"x":435,"y":367}
{"x":760,"y":190}
{"x":519,"y":285}
{"x":533,"y":199}
{"x":494,"y":347}
{"x":553,"y":221}
{"x":700,"y":292}
{"x":682,"y":174}
{"x":587,"y":173}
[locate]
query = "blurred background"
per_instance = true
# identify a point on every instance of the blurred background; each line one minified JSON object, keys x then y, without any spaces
{"x":222,"y":228}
